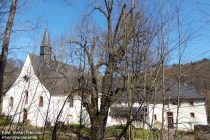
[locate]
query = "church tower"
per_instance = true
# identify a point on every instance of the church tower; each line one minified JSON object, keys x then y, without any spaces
{"x":45,"y":49}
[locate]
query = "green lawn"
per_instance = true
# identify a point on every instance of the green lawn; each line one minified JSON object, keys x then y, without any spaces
{"x":114,"y":131}
{"x":143,"y":133}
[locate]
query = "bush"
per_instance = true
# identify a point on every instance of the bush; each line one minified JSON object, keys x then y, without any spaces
{"x":141,"y":133}
{"x":113,"y":131}
{"x":75,"y":128}
{"x":4,"y":120}
{"x":155,"y":133}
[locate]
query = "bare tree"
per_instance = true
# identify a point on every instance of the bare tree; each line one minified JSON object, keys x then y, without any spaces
{"x":5,"y":43}
{"x":113,"y":43}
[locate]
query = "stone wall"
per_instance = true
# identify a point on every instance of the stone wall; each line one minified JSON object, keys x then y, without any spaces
{"x":201,"y":132}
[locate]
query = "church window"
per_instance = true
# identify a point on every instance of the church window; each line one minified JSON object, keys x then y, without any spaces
{"x":191,"y":102}
{"x":25,"y":114}
{"x":114,"y":118}
{"x":155,"y":117}
{"x":192,"y":115}
{"x":26,"y":97}
{"x":40,"y":101}
{"x":71,"y":101}
{"x":174,"y":102}
{"x":11,"y":101}
{"x":124,"y":119}
{"x":26,"y":78}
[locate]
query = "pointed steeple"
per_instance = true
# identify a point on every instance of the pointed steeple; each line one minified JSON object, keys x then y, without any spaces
{"x":45,"y":49}
{"x":46,"y":39}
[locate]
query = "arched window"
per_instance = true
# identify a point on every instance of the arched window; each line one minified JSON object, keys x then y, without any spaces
{"x":71,"y":101}
{"x":26,"y":78}
{"x":25,"y":114}
{"x":40,"y":101}
{"x":26,"y":97}
{"x":11,"y":101}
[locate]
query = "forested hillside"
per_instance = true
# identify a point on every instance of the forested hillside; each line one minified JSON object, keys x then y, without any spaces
{"x":12,"y":70}
{"x":197,"y":74}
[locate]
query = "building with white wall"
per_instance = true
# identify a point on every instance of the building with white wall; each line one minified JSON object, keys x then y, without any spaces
{"x":192,"y":109}
{"x":44,"y":90}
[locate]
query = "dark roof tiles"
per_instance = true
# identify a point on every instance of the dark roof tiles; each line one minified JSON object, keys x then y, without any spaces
{"x":57,"y":77}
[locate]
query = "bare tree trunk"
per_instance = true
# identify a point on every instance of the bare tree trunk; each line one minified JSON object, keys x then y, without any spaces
{"x":179,"y":73}
{"x":5,"y":44}
{"x":98,"y":126}
{"x":129,"y":104}
{"x":163,"y":102}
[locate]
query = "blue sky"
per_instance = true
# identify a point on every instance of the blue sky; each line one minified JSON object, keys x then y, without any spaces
{"x":61,"y":18}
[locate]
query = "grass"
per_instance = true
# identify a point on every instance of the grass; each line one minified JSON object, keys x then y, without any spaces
{"x":114,"y":131}
{"x":46,"y":137}
{"x":141,"y":133}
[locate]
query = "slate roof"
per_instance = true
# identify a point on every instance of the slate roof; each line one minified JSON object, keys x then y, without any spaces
{"x":138,"y":97}
{"x":57,"y":77}
{"x":171,"y":92}
{"x":171,"y":86}
{"x":124,"y":111}
{"x":186,"y":92}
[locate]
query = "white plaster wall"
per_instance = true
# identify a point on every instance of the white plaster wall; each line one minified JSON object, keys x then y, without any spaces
{"x":35,"y":90}
{"x":69,"y":114}
{"x":186,"y":122}
{"x":37,"y":115}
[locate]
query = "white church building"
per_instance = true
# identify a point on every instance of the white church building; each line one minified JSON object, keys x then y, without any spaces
{"x":42,"y":89}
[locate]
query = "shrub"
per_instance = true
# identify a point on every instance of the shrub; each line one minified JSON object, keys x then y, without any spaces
{"x":4,"y":120}
{"x":76,"y":128}
{"x":113,"y":131}
{"x":141,"y":133}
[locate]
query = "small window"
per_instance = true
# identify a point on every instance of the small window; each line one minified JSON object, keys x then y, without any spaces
{"x":192,"y":115}
{"x":11,"y":101}
{"x":124,"y":119}
{"x":71,"y":101}
{"x":26,"y":97}
{"x":191,"y":102}
{"x":40,"y":101}
{"x":114,"y":118}
{"x":155,"y":117}
{"x":170,"y":114}
{"x":26,"y":78}
{"x":25,"y":115}
{"x":174,"y":103}
{"x":170,"y":119}
{"x":118,"y":119}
